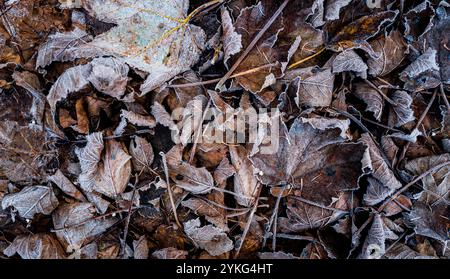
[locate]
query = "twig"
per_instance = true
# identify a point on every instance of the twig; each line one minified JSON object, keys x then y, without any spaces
{"x":169,"y":190}
{"x":404,"y":188}
{"x":212,"y":81}
{"x":247,"y":226}
{"x":251,"y":45}
{"x":127,"y":221}
{"x":272,"y":217}
{"x":389,"y":100}
{"x":295,"y":64}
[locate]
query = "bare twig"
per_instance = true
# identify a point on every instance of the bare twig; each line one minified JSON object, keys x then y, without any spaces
{"x":169,"y":189}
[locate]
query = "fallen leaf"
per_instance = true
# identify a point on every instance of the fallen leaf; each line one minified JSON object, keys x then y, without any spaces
{"x":402,"y":113}
{"x":186,"y":176}
{"x":210,"y":238}
{"x":141,"y":153}
{"x":36,"y":246}
{"x":314,"y":87}
{"x":347,"y":61}
{"x":391,"y":49}
{"x":76,"y":225}
{"x":32,"y":200}
{"x":245,"y":182}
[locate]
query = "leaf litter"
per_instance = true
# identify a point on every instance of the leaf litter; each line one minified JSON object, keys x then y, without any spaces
{"x":98,"y":160}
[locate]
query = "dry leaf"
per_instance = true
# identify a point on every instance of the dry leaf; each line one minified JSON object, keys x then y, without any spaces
{"x":32,"y":200}
{"x":36,"y":246}
{"x":210,"y":238}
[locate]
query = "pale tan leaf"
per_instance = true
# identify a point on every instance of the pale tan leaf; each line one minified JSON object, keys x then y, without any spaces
{"x":36,"y":246}
{"x":210,"y":238}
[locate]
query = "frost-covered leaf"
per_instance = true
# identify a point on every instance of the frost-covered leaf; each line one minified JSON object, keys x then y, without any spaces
{"x":211,"y":212}
{"x":356,"y":33}
{"x":436,"y":185}
{"x":142,"y":154}
{"x":210,"y":238}
{"x":75,"y":224}
{"x":105,"y":172}
{"x":383,"y":176}
{"x":140,"y":248}
{"x":422,"y":73}
{"x":349,"y":61}
{"x":245,"y":182}
{"x":169,"y":253}
{"x":23,"y":152}
{"x":402,"y":113}
{"x":231,"y":39}
{"x":186,"y":176}
{"x":146,"y":37}
{"x":36,"y":246}
{"x":66,"y":185}
{"x":61,"y":47}
{"x":32,"y":200}
{"x":371,"y":97}
{"x":374,"y":245}
{"x":431,"y":221}
{"x":391,"y":49}
{"x":314,"y":87}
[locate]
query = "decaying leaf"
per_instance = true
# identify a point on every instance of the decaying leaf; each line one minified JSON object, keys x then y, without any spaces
{"x":391,"y":50}
{"x":245,"y":182}
{"x":371,"y":97}
{"x":141,"y":152}
{"x":383,"y":181}
{"x":170,"y":253}
{"x":32,"y":200}
{"x":75,"y":224}
{"x":23,"y":152}
{"x":36,"y":246}
{"x":108,"y":172}
{"x":186,"y":176}
{"x":314,"y":87}
{"x":402,"y":113}
{"x":347,"y":61}
{"x":210,"y":238}
{"x":231,"y":40}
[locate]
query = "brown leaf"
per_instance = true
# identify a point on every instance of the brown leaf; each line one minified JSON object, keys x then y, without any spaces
{"x":140,"y":248}
{"x":169,"y":253}
{"x":76,"y":225}
{"x":371,"y":97}
{"x":347,"y":61}
{"x":314,"y":87}
{"x":36,"y":246}
{"x":231,"y":39}
{"x":66,"y":185}
{"x":311,"y":155}
{"x":402,"y":113}
{"x":142,"y":154}
{"x":391,"y":49}
{"x":356,"y":33}
{"x":245,"y":182}
{"x":24,"y":153}
{"x":211,"y":212}
{"x":436,"y":185}
{"x":32,"y":200}
{"x":210,"y":238}
{"x":384,"y":181}
{"x":186,"y":176}
{"x":106,"y":173}
{"x":431,"y":221}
